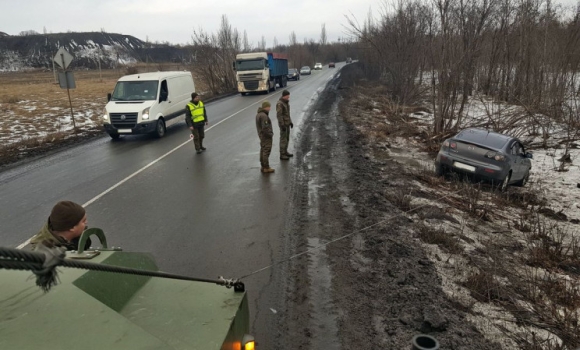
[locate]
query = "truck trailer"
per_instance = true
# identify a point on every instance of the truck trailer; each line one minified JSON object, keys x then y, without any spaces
{"x":260,"y":71}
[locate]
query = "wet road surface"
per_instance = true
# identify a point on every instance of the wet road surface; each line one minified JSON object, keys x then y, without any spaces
{"x":201,"y":215}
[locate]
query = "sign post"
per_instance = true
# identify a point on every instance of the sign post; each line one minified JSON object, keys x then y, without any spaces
{"x":66,"y":79}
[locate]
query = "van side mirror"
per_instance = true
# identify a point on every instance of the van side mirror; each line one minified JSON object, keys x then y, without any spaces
{"x":529,"y":155}
{"x":109,"y":97}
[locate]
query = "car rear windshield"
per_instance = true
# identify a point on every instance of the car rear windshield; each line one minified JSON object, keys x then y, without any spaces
{"x":481,"y":137}
{"x":291,"y":70}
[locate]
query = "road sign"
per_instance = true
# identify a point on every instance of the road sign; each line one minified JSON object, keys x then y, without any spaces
{"x":66,"y":80}
{"x":63,"y":58}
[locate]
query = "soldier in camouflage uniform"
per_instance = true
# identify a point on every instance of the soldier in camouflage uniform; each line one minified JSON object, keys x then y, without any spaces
{"x":265,"y":132}
{"x":285,"y":123}
{"x":64,"y":226}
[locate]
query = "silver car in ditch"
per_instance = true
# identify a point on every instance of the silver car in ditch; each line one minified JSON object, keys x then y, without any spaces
{"x":486,"y":155}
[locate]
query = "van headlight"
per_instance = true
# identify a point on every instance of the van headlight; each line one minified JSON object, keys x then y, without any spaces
{"x":106,"y":116}
{"x":145,"y":114}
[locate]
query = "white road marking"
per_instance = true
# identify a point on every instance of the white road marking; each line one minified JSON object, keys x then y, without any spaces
{"x":99,"y":196}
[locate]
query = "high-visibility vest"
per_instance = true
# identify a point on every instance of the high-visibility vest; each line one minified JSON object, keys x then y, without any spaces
{"x":197,"y":112}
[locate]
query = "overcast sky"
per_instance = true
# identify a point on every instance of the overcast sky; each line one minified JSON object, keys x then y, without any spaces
{"x":175,"y":20}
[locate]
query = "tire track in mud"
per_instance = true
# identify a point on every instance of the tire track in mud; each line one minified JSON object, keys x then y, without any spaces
{"x":374,"y":289}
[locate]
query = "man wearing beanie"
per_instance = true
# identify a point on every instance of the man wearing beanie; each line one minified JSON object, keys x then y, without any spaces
{"x":265,"y":133}
{"x":196,"y":119}
{"x":64,"y":226}
{"x":285,"y":123}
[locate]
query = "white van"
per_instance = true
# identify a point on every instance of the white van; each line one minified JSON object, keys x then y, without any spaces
{"x":147,"y":103}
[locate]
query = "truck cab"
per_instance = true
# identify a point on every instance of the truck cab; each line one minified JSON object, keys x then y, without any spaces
{"x":260,"y":71}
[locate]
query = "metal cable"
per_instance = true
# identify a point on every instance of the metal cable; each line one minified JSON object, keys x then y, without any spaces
{"x":15,"y":259}
{"x":343,"y":237}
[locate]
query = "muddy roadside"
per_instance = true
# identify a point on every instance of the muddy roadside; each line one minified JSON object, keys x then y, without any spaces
{"x":376,"y":287}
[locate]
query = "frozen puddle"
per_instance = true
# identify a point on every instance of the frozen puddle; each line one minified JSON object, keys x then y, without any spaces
{"x":323,"y":310}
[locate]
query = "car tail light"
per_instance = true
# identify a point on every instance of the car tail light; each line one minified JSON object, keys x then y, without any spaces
{"x":495,"y":155}
{"x":453,"y":145}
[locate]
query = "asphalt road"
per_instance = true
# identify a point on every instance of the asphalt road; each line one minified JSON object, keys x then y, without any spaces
{"x":202,"y":215}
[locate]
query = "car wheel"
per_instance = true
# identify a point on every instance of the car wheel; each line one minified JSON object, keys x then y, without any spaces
{"x":115,"y":136}
{"x":439,"y":169}
{"x":160,"y":129}
{"x":524,"y":181}
{"x":505,"y":183}
{"x":243,"y":94}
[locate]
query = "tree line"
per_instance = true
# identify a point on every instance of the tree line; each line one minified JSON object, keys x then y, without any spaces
{"x":213,"y":53}
{"x":524,"y":52}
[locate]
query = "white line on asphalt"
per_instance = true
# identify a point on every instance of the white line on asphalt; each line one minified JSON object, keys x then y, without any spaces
{"x":99,"y":196}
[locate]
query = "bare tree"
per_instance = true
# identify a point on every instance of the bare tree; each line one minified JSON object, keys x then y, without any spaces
{"x":323,"y":37}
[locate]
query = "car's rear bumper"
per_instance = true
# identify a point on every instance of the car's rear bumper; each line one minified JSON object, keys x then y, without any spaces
{"x":482,"y":170}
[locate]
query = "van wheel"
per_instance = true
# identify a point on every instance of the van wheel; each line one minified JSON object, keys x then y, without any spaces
{"x":115,"y":136}
{"x":160,"y":129}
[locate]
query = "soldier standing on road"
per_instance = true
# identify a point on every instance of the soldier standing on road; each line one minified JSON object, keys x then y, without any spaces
{"x":196,"y":119}
{"x":64,"y":226}
{"x":285,"y":123}
{"x":265,"y":133}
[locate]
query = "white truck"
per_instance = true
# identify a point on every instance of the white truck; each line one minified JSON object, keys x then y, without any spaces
{"x":147,"y":103}
{"x":260,"y":71}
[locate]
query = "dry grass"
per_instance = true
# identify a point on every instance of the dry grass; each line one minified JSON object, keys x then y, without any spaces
{"x":36,"y":109}
{"x":440,"y":237}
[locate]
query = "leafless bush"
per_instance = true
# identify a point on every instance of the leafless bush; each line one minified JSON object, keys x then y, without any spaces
{"x":400,"y":198}
{"x":11,"y":99}
{"x":551,"y":247}
{"x":484,"y":287}
{"x":446,"y":241}
{"x":131,"y":70}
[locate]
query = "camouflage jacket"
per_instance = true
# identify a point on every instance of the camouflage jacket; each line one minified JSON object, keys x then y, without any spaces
{"x":264,"y":124}
{"x":49,"y":239}
{"x":283,"y":113}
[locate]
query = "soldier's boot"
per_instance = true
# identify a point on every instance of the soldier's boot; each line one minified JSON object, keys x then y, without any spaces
{"x":267,"y":170}
{"x":198,"y":151}
{"x":289,"y":154}
{"x":284,"y":157}
{"x":201,"y":146}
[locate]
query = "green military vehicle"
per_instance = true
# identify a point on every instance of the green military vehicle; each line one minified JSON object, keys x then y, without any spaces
{"x":92,"y":309}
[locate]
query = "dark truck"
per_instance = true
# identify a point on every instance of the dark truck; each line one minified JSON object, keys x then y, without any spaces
{"x":260,"y":71}
{"x":90,"y":309}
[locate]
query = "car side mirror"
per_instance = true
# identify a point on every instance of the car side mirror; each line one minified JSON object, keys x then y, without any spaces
{"x":109,"y":96}
{"x":529,"y":155}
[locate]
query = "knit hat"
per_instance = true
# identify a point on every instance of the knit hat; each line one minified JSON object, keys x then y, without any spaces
{"x":194,"y":95}
{"x":285,"y":93}
{"x":65,"y":215}
{"x":266,"y":104}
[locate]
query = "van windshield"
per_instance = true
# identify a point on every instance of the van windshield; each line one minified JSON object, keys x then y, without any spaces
{"x":135,"y":91}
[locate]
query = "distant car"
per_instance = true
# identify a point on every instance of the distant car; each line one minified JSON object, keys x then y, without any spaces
{"x":293,"y":74}
{"x":318,"y":66}
{"x":331,"y":65}
{"x":485,"y":154}
{"x":348,"y":60}
{"x":305,"y":70}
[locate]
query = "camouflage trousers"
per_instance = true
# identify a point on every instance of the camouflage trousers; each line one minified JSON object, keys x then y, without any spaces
{"x":284,"y":140}
{"x":265,"y":149}
{"x":198,"y":136}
